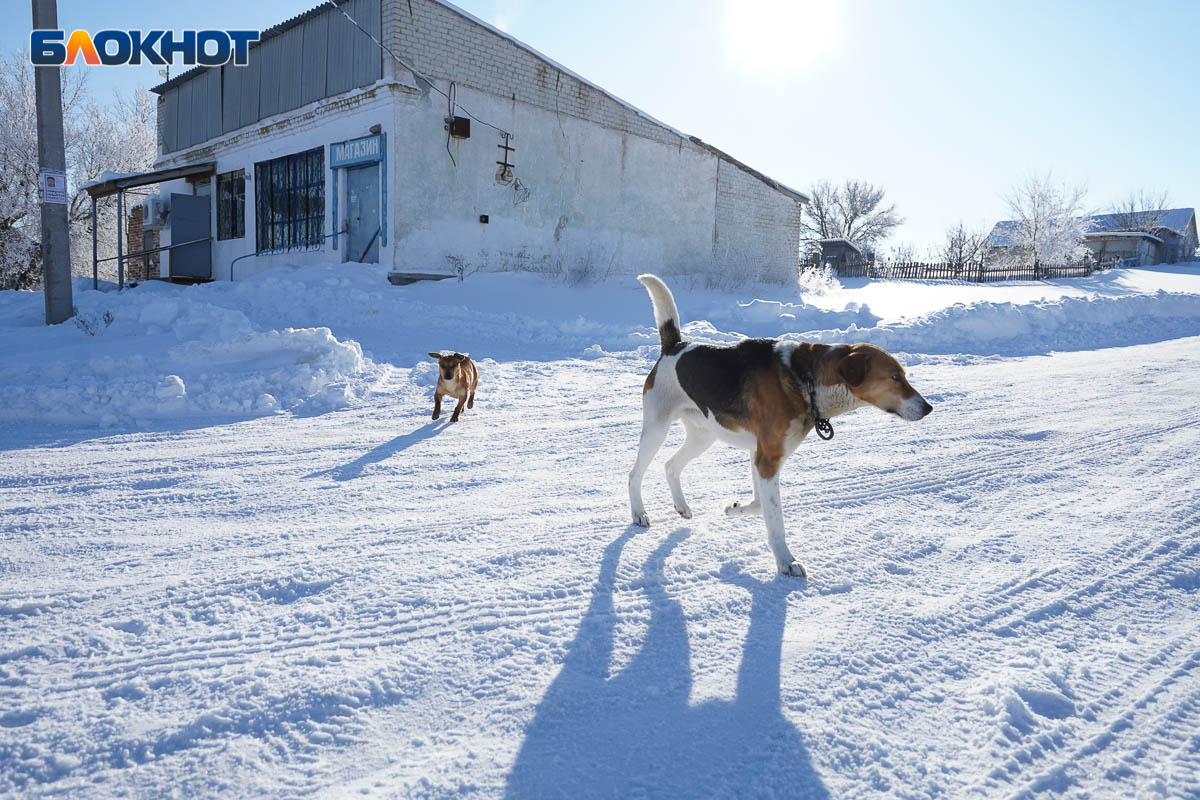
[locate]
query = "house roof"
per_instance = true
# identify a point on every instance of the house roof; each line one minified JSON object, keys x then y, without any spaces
{"x":1175,"y":220}
{"x":841,"y":241}
{"x":292,"y":22}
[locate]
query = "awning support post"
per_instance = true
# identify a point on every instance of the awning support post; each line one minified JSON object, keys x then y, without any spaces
{"x":95,"y":261}
{"x":120,"y":240}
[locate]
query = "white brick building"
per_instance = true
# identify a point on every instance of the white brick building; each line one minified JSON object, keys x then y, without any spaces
{"x":323,"y":132}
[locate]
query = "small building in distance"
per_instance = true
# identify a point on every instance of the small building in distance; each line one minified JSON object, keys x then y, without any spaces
{"x":840,"y":253}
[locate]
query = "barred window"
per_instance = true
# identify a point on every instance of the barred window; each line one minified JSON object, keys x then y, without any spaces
{"x":231,"y":205}
{"x":290,"y":200}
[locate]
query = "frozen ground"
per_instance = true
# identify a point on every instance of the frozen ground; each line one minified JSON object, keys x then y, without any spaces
{"x":325,"y":594}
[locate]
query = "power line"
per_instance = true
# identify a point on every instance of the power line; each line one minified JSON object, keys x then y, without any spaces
{"x":453,"y":102}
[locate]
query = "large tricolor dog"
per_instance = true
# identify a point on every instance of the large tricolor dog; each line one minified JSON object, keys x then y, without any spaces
{"x":761,"y":395}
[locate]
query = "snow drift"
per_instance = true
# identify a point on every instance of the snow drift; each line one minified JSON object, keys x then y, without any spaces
{"x":321,"y":337}
{"x":1012,"y":329}
{"x":159,"y":353}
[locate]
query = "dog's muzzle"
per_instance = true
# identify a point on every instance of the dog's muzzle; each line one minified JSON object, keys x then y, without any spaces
{"x":914,"y":408}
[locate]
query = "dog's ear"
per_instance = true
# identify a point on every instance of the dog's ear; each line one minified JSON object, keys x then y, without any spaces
{"x":853,"y":368}
{"x":436,"y":356}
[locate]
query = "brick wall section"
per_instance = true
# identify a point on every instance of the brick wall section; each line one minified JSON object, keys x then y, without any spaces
{"x":750,"y":217}
{"x":139,"y":269}
{"x":444,"y":45}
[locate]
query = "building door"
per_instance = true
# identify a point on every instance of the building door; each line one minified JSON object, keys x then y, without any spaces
{"x":362,"y":201}
{"x":191,"y":221}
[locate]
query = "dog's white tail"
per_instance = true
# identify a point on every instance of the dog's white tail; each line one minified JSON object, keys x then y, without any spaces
{"x":666,"y":315}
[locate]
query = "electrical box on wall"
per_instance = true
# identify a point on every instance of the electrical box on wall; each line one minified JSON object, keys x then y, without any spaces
{"x":460,"y":127}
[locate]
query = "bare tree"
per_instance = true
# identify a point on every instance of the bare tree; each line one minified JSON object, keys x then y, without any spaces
{"x":855,"y":211}
{"x":1049,"y":220}
{"x":1142,"y":210}
{"x":118,"y":137}
{"x":902,"y":253}
{"x":962,"y":246}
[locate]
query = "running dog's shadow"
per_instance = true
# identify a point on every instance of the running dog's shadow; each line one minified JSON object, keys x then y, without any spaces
{"x":384,"y":451}
{"x":634,"y":734}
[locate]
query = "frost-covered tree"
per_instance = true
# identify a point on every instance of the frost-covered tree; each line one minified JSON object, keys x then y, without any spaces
{"x":962,"y":246}
{"x":1142,"y":210}
{"x":119,"y":136}
{"x":854,"y":210}
{"x":1049,"y":221}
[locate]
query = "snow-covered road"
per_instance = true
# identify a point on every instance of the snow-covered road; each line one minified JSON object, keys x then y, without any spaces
{"x":1003,"y":597}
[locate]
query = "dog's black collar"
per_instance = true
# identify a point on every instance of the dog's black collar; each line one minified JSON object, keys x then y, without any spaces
{"x":821,"y":424}
{"x":809,"y":385}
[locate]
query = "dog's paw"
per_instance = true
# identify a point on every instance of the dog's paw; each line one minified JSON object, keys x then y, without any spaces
{"x":684,"y":511}
{"x":794,"y":569}
{"x":738,"y":508}
{"x":641,"y":520}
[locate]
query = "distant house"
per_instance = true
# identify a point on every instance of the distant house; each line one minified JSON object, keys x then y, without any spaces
{"x":1169,"y":238}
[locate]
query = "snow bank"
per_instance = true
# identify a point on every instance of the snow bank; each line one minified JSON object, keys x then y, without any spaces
{"x":322,"y":336}
{"x":1012,"y":329}
{"x":161,"y":352}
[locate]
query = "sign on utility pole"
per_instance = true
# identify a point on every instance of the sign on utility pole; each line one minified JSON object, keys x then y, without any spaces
{"x":52,"y":163}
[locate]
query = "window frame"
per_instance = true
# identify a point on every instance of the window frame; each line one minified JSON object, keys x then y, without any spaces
{"x":289,"y":201}
{"x":231,"y":210}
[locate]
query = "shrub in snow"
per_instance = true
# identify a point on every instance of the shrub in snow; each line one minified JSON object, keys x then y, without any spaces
{"x":817,"y":280}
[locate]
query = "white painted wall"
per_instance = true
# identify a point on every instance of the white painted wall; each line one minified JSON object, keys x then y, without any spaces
{"x":586,"y":194}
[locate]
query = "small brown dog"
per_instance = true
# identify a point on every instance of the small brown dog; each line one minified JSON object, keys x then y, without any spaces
{"x":457,"y":377}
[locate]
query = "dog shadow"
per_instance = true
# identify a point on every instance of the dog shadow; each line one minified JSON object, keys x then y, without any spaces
{"x":382,"y":452}
{"x":634,"y":734}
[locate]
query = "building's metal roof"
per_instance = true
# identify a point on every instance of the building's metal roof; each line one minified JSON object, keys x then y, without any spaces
{"x":1174,"y":220}
{"x":269,"y":33}
{"x":840,"y":240}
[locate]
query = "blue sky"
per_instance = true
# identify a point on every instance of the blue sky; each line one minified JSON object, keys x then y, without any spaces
{"x":945,"y":103}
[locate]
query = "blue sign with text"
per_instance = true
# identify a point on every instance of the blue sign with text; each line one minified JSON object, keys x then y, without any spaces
{"x":366,"y":150}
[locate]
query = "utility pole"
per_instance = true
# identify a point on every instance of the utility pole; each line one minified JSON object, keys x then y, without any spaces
{"x":52,"y":174}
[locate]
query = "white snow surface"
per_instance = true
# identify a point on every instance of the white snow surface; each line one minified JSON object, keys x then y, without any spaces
{"x":241,"y":561}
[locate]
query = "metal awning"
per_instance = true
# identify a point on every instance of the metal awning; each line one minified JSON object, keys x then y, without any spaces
{"x":117,"y":185}
{"x":134,"y":179}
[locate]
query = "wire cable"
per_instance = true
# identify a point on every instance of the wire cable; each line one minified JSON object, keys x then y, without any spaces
{"x":453,"y":104}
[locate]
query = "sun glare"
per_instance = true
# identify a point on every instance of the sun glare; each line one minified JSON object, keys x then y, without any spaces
{"x":777,"y":38}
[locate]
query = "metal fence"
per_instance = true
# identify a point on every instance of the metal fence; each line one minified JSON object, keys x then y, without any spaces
{"x":974,"y":272}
